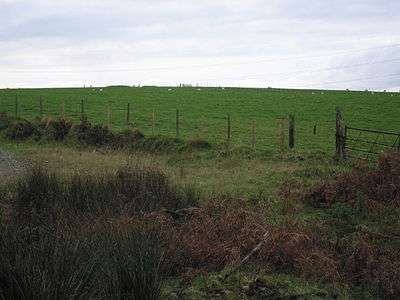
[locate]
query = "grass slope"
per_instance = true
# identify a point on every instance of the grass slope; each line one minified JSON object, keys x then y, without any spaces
{"x":203,"y":111}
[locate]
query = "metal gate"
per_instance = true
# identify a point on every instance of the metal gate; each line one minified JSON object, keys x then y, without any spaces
{"x":369,"y":144}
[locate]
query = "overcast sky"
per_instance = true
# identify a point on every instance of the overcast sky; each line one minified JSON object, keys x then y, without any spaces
{"x":335,"y":44}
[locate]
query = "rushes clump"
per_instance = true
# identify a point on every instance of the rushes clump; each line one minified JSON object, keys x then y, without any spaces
{"x":37,"y":264}
{"x":58,"y":243}
{"x":136,"y":264}
{"x":43,"y":196}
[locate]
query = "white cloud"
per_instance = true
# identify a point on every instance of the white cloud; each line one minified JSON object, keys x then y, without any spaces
{"x":232,"y":42}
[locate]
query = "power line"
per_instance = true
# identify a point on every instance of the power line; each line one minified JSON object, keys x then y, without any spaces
{"x":338,"y":52}
{"x":357,"y":79}
{"x":311,"y":70}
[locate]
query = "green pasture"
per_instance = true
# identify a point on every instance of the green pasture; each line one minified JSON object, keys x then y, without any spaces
{"x":203,"y":111}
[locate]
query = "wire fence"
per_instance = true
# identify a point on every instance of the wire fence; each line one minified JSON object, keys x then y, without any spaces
{"x":258,"y":132}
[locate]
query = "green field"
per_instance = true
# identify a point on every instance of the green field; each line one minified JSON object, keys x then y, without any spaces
{"x":204,"y":111}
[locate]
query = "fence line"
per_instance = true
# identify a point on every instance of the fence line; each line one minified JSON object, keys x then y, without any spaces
{"x":289,"y":135}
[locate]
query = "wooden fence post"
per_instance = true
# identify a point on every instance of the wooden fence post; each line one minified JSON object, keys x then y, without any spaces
{"x":228,"y":137}
{"x":281,"y":135}
{"x":63,"y":109}
{"x":339,"y":134}
{"x":153,"y":122}
{"x":177,"y":123}
{"x":291,"y":131}
{"x":128,"y":112}
{"x":398,"y":144}
{"x":344,"y":142}
{"x":253,"y":134}
{"x":41,"y":107}
{"x":16,"y":106}
{"x":82,"y":109}
{"x":109,"y":115}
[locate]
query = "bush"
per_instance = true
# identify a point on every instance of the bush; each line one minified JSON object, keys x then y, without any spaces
{"x":5,"y":121}
{"x":19,"y":130}
{"x":159,"y":144}
{"x":58,"y":129}
{"x":127,"y":137}
{"x":98,"y":135}
{"x":198,"y":144}
{"x":78,"y":131}
{"x":86,"y":133}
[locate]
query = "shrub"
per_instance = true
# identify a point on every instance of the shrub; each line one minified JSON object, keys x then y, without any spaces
{"x":97,"y":135}
{"x":159,"y":144}
{"x":19,"y":130}
{"x":127,"y":137}
{"x":58,"y":129}
{"x":79,"y":131}
{"x":198,"y":144}
{"x":5,"y":121}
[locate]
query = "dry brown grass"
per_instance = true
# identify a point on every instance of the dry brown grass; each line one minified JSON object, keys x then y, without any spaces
{"x":373,"y":184}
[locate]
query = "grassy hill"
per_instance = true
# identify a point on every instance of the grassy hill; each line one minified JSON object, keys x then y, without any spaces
{"x":204,"y":111}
